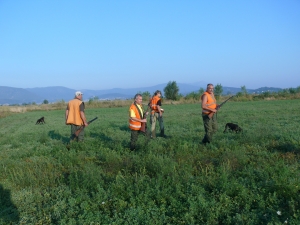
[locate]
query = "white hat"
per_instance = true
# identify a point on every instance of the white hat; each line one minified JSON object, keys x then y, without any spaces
{"x":77,"y":93}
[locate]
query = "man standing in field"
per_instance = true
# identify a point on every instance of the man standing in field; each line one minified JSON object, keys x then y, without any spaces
{"x":136,"y":119}
{"x":156,"y":114}
{"x":209,"y":109}
{"x":75,"y":116}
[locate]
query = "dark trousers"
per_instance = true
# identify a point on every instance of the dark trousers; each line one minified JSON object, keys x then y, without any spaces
{"x":134,"y":138}
{"x":210,"y":127}
{"x":75,"y":128}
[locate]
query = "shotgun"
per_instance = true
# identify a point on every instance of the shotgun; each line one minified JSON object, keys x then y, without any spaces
{"x":144,"y":125}
{"x":81,"y":128}
{"x":210,"y":115}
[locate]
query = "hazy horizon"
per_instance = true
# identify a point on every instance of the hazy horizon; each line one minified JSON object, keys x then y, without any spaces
{"x":203,"y":86}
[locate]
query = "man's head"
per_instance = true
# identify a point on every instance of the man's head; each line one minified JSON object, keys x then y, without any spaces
{"x":138,"y":99}
{"x":157,"y":93}
{"x":78,"y":94}
{"x":210,"y":88}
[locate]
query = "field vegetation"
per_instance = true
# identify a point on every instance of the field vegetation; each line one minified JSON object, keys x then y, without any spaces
{"x":247,"y":178}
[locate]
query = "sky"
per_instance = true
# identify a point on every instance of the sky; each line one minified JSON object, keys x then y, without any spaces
{"x":101,"y":45}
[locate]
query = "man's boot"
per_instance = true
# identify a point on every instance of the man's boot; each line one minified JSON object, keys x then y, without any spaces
{"x":162,"y":133}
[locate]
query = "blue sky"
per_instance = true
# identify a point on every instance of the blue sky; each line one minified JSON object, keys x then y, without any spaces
{"x":124,"y":44}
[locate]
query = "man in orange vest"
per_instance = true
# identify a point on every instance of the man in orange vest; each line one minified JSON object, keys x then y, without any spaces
{"x":75,"y":116}
{"x":136,"y":114}
{"x":209,"y":105}
{"x":156,"y":114}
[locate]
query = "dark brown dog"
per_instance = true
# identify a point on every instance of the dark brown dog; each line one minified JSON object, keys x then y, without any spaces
{"x":232,"y":127}
{"x":40,"y":121}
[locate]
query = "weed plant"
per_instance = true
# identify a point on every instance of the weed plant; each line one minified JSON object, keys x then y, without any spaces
{"x":247,"y":178}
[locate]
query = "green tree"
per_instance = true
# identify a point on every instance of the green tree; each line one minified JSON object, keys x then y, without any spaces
{"x":292,"y":90}
{"x":172,"y":90}
{"x":195,"y":94}
{"x":201,"y":91}
{"x":239,"y":94}
{"x":45,"y":101}
{"x":192,"y":95}
{"x":93,"y":99}
{"x":218,"y":91}
{"x":146,"y":95}
{"x":244,"y":90}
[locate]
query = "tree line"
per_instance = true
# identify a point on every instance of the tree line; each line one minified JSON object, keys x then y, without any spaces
{"x":171,"y":92}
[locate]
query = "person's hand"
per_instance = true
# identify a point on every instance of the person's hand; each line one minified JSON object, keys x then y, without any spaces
{"x":86,"y":124}
{"x":144,"y":120}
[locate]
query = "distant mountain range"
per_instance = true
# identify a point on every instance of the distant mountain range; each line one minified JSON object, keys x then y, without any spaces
{"x":11,"y":95}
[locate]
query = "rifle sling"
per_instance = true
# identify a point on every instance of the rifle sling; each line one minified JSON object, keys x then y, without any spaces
{"x":139,"y":110}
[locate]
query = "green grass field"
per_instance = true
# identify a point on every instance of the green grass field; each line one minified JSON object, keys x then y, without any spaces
{"x":248,"y":178}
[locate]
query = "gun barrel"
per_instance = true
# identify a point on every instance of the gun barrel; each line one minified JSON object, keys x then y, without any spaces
{"x":226,"y":100}
{"x":93,"y":120}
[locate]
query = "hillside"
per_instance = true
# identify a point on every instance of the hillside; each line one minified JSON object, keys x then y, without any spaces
{"x":11,"y":95}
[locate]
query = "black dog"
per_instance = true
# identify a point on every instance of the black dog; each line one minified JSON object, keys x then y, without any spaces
{"x":233,"y":127}
{"x":40,"y":121}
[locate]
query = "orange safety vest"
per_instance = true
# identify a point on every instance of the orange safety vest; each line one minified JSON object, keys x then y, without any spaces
{"x":211,"y":102}
{"x":74,"y":112}
{"x":135,"y":125}
{"x":154,"y":105}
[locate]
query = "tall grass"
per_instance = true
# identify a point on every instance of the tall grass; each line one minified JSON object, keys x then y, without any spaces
{"x":247,"y":178}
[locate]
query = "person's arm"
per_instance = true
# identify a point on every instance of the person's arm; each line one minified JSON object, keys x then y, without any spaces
{"x":138,"y":120}
{"x":82,"y":114}
{"x":67,"y":113}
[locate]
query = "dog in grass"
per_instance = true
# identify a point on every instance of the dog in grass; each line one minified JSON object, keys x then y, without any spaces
{"x":40,"y":121}
{"x":233,"y":128}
